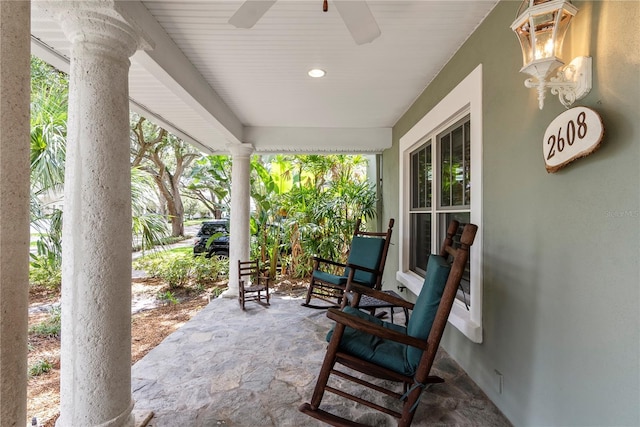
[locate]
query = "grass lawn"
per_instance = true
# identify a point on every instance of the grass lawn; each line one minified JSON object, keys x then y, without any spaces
{"x":197,"y":221}
{"x":167,"y":254}
{"x":184,"y":250}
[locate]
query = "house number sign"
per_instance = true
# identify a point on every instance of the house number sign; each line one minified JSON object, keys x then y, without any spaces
{"x":573,"y":134}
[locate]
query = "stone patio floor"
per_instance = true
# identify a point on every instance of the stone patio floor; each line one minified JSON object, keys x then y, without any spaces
{"x":254,"y":368}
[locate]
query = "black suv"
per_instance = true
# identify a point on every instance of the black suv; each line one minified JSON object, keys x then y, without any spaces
{"x":219,"y":245}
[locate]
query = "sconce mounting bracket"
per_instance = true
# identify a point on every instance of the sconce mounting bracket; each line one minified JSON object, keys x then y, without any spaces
{"x":571,"y":83}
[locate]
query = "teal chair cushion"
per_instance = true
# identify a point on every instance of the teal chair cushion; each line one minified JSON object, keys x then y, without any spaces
{"x":389,"y":354}
{"x":427,"y":304}
{"x":366,"y":252}
{"x":329,"y":278}
{"x":382,"y":352}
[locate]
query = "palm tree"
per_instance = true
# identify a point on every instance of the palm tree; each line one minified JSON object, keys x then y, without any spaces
{"x":49,"y":94}
{"x":148,"y":227}
{"x":308,"y":205}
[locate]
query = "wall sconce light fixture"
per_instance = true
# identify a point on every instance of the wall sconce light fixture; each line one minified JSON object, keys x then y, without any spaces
{"x":541,"y":26}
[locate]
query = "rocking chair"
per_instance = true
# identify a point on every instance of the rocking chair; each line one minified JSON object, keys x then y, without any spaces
{"x":389,"y":351}
{"x":368,"y":250}
{"x":253,"y":285}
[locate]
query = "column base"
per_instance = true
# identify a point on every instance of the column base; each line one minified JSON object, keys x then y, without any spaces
{"x":229,"y":293}
{"x":125,"y":419}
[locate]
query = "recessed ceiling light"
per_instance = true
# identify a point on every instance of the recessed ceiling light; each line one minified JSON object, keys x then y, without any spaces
{"x":316,"y":73}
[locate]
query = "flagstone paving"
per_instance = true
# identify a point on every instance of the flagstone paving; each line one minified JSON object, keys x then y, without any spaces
{"x":255,"y":367}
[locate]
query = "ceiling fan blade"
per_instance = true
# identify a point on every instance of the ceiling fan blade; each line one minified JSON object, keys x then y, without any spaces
{"x":359,"y":20}
{"x":250,"y":12}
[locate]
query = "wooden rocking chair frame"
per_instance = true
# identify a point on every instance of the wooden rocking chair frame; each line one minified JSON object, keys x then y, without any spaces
{"x":254,"y":289}
{"x":412,"y":385}
{"x":332,"y":292}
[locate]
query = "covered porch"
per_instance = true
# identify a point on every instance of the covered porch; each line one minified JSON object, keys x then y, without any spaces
{"x":554,"y":308}
{"x":255,"y":367}
{"x":131,"y":55}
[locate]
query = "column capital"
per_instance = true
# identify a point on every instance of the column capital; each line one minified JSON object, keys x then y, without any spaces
{"x":99,"y":25}
{"x":240,"y":150}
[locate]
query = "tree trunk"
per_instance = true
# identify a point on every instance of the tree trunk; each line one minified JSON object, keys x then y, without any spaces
{"x":148,"y":154}
{"x":175,"y":209}
{"x":177,"y":217}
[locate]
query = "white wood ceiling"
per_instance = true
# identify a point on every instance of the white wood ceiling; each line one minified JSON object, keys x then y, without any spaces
{"x":214,"y":84}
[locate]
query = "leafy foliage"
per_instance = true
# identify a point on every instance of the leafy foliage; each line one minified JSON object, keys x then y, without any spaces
{"x":209,"y":182}
{"x":180,"y":269}
{"x":148,"y":227}
{"x":49,"y":94}
{"x":44,"y":270}
{"x":165,"y":158}
{"x":40,"y":367}
{"x":305,"y":206}
{"x":49,"y":97}
{"x":167,"y":297}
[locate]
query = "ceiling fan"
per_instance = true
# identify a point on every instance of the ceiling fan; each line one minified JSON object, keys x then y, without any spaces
{"x":355,"y":14}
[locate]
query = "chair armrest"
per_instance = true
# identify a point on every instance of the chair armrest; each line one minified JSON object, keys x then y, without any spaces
{"x":355,"y":267}
{"x":364,"y":290}
{"x":362,"y":268}
{"x":327,"y":261}
{"x":373,"y":329}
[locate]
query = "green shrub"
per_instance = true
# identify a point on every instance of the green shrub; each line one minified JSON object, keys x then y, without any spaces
{"x":208,"y":269}
{"x":40,"y":367}
{"x":204,"y":269}
{"x":156,"y":264}
{"x":49,"y":327}
{"x":217,"y":291}
{"x":149,"y":263}
{"x":302,"y":267}
{"x":179,"y":268}
{"x":224,"y":266}
{"x":167,"y":297}
{"x":177,"y":272}
{"x":44,"y":271}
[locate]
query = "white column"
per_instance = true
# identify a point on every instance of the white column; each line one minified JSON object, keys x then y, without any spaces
{"x":14,"y":209}
{"x":240,"y":211}
{"x":95,"y":382}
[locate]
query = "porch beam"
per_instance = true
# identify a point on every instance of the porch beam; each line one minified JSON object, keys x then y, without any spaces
{"x":318,"y":140}
{"x":170,"y":65}
{"x":61,"y":62}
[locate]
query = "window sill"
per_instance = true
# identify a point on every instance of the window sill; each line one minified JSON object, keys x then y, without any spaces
{"x":459,"y":317}
{"x":412,"y":281}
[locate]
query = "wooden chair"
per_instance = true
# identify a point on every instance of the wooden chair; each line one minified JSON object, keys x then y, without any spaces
{"x":392,"y":352}
{"x":368,"y":250}
{"x":253,"y":285}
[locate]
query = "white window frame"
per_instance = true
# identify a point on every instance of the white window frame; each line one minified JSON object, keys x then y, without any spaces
{"x":465,"y":98}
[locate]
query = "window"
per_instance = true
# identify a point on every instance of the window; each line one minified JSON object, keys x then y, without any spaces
{"x":440,"y":180}
{"x":430,"y":212}
{"x":451,"y":152}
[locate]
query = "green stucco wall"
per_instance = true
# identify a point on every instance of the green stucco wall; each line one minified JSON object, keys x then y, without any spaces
{"x":561,"y":312}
